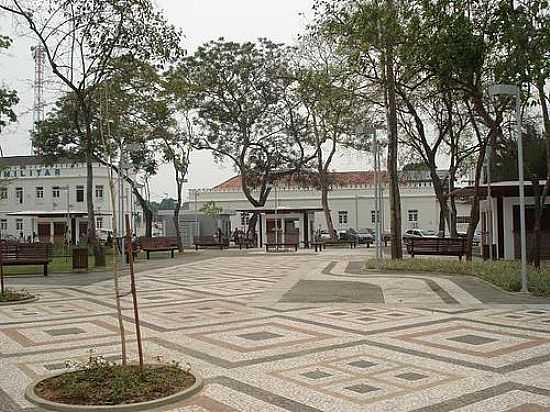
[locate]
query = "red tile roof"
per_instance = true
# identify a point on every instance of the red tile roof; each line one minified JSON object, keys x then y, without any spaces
{"x":339,"y":179}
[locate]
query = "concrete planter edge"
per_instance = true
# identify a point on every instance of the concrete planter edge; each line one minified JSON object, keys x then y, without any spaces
{"x":31,"y":299}
{"x":32,"y":397}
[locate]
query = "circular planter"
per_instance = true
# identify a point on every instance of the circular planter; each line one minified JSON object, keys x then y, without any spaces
{"x":30,"y":299}
{"x":32,"y":397}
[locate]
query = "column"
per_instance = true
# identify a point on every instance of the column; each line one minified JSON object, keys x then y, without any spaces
{"x":52,"y":232}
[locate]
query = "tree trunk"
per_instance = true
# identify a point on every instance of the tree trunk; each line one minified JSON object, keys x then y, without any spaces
{"x":393,"y":174}
{"x":536,"y":249}
{"x":177,"y":215}
{"x":452,"y":218}
{"x":326,"y":207}
{"x":92,"y":238}
{"x":147,"y":212}
{"x":442,"y":222}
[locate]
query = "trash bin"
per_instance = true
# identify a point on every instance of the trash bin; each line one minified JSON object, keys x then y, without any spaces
{"x":80,"y":258}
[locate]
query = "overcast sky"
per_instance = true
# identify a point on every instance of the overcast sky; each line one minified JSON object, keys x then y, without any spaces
{"x":201,"y":20}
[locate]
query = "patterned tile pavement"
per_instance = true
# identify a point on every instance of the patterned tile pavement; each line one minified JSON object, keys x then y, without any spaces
{"x":301,"y":334}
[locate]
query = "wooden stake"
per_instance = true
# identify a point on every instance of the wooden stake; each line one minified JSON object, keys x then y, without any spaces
{"x":129,"y":248}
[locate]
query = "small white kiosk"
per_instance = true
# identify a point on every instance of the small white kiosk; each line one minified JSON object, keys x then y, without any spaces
{"x":285,"y":225}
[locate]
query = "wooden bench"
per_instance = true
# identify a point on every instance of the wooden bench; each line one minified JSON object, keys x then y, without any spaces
{"x":247,"y":243}
{"x":286,"y":245}
{"x":159,"y":244}
{"x":320,"y":246}
{"x":24,"y":254}
{"x":436,"y":246}
{"x":208,"y":241}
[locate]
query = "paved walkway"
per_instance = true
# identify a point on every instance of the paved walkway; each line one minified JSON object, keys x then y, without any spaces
{"x":299,"y":333}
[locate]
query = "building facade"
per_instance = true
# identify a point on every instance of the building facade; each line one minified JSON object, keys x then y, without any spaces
{"x":351,"y":201}
{"x":49,"y":202}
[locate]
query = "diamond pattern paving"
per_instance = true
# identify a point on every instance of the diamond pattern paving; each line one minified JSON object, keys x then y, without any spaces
{"x":306,"y":334}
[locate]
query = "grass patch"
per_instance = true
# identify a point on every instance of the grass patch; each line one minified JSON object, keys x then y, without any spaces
{"x":14,"y":296}
{"x":115,"y":385}
{"x":504,"y":274}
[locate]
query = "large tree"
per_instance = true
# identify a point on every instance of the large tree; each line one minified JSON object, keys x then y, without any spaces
{"x":82,"y":40}
{"x":245,"y":111}
{"x":122,"y":119}
{"x":328,"y":92}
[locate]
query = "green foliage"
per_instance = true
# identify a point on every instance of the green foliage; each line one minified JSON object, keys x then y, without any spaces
{"x":504,"y":274}
{"x":8,"y":98}
{"x":504,"y":167}
{"x":211,"y":209}
{"x":99,"y":382}
{"x":243,"y":109}
{"x":167,"y":204}
{"x":10,"y":295}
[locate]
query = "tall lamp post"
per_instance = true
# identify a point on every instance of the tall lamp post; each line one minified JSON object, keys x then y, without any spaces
{"x":365,"y":131}
{"x":514,"y":91}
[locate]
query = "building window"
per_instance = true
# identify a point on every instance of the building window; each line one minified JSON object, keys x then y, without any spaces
{"x":99,"y":192}
{"x":3,"y":193}
{"x":19,"y":194}
{"x":19,"y":225}
{"x":373,"y":216}
{"x":80,"y":193}
{"x":99,"y":223}
{"x":3,"y":224}
{"x":40,"y":192}
{"x":343,"y":217}
{"x":245,"y":219}
{"x":55,"y":192}
{"x":413,"y":217}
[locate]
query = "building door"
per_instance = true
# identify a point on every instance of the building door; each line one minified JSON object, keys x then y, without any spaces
{"x":83,"y":231}
{"x":59,"y":229}
{"x":44,"y":232}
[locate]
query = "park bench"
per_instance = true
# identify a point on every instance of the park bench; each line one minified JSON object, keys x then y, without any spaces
{"x":277,"y":245}
{"x":246,"y":243}
{"x":23,"y":254}
{"x":436,"y":246}
{"x":208,"y":241}
{"x":320,"y":246}
{"x":159,"y":244}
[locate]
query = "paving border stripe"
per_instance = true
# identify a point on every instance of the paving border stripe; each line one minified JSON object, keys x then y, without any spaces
{"x":445,"y":296}
{"x":263,"y":395}
{"x":482,"y":395}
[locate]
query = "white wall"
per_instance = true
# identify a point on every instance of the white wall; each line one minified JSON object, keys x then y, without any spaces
{"x":32,"y":176}
{"x":358,"y":202}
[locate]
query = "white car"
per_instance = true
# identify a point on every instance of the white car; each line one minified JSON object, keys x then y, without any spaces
{"x":417,"y":233}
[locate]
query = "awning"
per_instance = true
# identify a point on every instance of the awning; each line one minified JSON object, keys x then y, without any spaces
{"x":53,"y":214}
{"x":281,"y":210}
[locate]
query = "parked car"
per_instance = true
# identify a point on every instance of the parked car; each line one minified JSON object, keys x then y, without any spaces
{"x":350,"y":235}
{"x":365,"y":236}
{"x":418,"y":233}
{"x":323,"y":235}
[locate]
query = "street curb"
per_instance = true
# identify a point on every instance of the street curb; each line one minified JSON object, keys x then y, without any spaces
{"x":32,"y":397}
{"x":21,"y":302}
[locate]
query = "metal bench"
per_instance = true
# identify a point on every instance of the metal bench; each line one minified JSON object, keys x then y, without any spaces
{"x":436,"y":246}
{"x":24,"y":254}
{"x":320,"y":246}
{"x":208,"y":241}
{"x":277,"y":245}
{"x":159,"y":244}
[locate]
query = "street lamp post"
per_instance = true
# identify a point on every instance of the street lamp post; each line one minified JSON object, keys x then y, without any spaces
{"x":378,"y":200}
{"x":514,"y":91}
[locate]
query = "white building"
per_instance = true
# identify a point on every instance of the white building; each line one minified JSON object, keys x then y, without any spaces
{"x":351,"y":202}
{"x":500,"y":216}
{"x":50,"y":201}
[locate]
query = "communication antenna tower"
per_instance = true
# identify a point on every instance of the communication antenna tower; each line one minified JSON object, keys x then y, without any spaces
{"x":38,"y":55}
